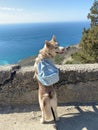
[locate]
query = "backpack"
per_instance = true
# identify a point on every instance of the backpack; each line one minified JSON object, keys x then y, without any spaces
{"x":48,"y":74}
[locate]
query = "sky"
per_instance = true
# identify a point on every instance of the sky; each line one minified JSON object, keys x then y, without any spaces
{"x":29,"y":11}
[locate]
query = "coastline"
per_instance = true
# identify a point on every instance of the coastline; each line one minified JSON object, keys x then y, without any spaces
{"x":21,"y":41}
{"x":29,"y":61}
{"x":66,"y":56}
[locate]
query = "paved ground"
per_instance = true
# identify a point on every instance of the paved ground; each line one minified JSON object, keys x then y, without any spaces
{"x":71,"y":118}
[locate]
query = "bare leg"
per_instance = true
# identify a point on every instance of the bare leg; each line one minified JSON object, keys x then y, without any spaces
{"x":54,"y":107}
{"x":56,"y":115}
{"x":42,"y":120}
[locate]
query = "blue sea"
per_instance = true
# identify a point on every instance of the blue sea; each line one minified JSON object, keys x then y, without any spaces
{"x":19,"y":41}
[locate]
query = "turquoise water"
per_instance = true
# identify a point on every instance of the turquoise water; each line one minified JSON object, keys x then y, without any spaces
{"x":18,"y":41}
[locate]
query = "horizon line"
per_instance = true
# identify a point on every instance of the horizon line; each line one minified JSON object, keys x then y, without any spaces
{"x":44,"y":22}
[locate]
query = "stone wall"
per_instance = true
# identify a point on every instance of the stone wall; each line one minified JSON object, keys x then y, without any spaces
{"x":78,"y":83}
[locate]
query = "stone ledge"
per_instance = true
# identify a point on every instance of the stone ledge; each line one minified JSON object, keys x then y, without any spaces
{"x":78,"y":83}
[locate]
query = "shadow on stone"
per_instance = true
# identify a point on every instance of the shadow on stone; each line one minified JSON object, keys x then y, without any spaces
{"x":19,"y":109}
{"x":79,"y":121}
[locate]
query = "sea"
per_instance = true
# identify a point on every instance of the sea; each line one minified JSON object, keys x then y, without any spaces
{"x":19,"y":41}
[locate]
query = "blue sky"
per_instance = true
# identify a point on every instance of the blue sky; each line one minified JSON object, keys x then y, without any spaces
{"x":27,"y":11}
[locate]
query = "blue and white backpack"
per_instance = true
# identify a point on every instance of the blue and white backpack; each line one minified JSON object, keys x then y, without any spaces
{"x":48,"y":74}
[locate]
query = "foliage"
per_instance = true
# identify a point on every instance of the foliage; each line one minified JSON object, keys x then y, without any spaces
{"x":58,"y":59}
{"x":89,"y":41}
{"x":93,"y":15}
{"x":89,"y":45}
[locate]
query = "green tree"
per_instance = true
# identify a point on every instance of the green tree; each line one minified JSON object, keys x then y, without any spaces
{"x":93,"y":15}
{"x":89,"y":41}
{"x":89,"y":46}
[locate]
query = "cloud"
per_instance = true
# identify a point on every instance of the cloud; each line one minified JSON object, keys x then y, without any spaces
{"x":11,"y":9}
{"x":11,"y":15}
